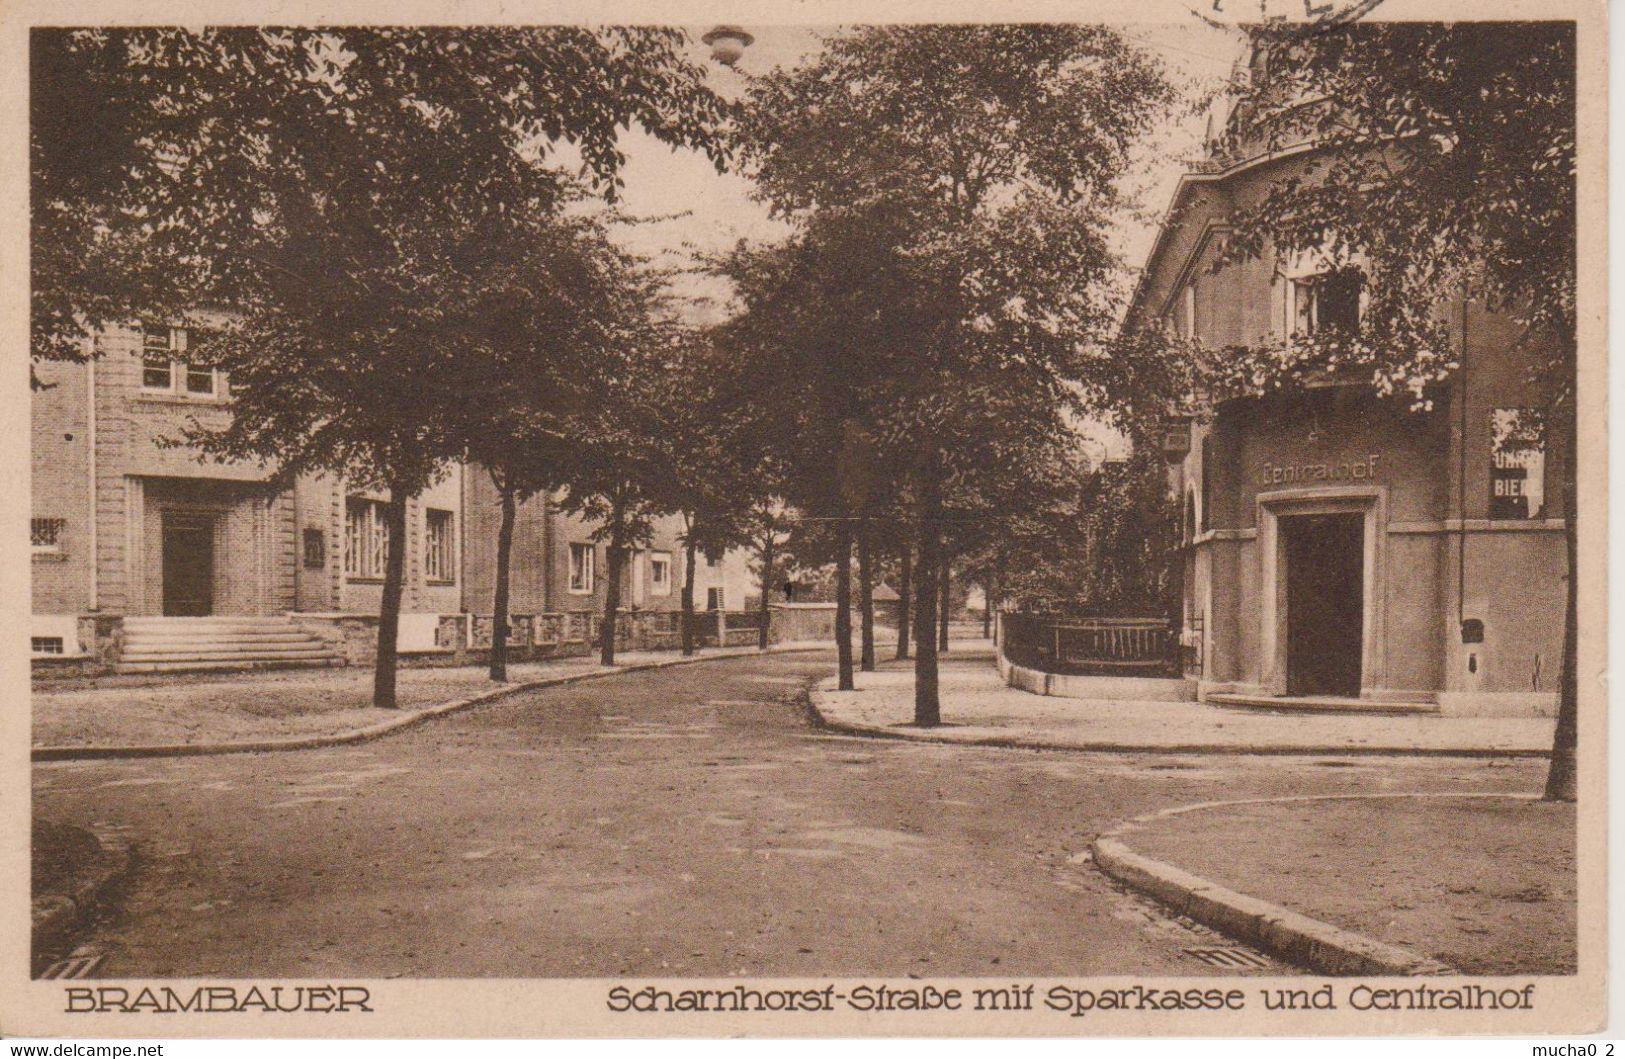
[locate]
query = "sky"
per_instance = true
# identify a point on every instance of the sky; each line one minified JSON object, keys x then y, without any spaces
{"x":699,"y":210}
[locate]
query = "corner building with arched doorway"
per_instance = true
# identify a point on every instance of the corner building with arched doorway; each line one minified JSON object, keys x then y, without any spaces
{"x":1338,"y":545}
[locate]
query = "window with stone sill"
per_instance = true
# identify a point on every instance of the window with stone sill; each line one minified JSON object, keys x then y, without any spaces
{"x":164,"y":370}
{"x":582,"y":561}
{"x":660,"y":574}
{"x":45,"y":535}
{"x":366,"y":539}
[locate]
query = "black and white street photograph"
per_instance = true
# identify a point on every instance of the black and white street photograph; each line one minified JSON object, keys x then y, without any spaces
{"x":820,"y":524}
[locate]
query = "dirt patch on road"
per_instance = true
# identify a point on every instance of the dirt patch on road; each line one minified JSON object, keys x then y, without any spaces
{"x":1485,"y":884}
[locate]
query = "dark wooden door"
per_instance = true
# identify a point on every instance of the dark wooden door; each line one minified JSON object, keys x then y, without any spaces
{"x":1325,"y":573}
{"x":188,"y":565}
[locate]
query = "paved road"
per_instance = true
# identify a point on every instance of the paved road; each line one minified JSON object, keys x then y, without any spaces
{"x":677,"y":822}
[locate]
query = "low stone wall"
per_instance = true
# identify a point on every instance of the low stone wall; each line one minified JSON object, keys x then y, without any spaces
{"x":429,"y":639}
{"x":1151,"y":689}
{"x":800,"y":621}
{"x":465,"y":639}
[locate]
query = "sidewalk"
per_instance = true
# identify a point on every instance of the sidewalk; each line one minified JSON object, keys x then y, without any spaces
{"x":977,"y":707}
{"x":293,"y":704}
{"x":1483,"y":884}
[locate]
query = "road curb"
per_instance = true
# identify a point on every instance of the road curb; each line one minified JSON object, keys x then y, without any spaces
{"x":54,"y":916}
{"x":1279,"y":931}
{"x":382,"y":728}
{"x":921,"y":735}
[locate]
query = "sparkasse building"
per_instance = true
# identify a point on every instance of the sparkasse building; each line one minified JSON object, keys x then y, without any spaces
{"x":1344,"y":549}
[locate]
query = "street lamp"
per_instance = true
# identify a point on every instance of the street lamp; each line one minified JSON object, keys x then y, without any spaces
{"x":728,"y":43}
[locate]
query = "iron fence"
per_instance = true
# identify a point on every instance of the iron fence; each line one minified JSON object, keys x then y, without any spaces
{"x":1083,"y":646}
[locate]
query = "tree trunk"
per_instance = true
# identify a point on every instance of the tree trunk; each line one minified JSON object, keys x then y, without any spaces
{"x":866,"y":598}
{"x":927,"y":704}
{"x":767,"y":588}
{"x":499,"y":605}
{"x":843,"y":606}
{"x":987,"y":609}
{"x":691,"y":552}
{"x":905,"y":605}
{"x":389,"y":609}
{"x":1562,"y":780}
{"x":942,"y":617}
{"x":612,"y":594}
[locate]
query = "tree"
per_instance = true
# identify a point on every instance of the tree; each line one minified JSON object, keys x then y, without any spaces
{"x":322,"y":184}
{"x":615,"y":473}
{"x":1444,"y":166}
{"x":162,"y":159}
{"x":980,"y":164}
{"x":717,"y":476}
{"x":795,"y":340}
{"x":542,"y":306}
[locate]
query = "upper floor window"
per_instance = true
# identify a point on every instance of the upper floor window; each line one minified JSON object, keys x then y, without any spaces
{"x":1328,"y":301}
{"x":1187,"y":312}
{"x":439,"y":560}
{"x":582,"y":558}
{"x":366,"y":538}
{"x":159,"y":344}
{"x":165,"y":369}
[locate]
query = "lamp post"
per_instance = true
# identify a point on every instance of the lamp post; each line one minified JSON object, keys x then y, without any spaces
{"x":728,"y":43}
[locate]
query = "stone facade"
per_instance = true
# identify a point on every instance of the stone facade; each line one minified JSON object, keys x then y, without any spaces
{"x":126,"y":524}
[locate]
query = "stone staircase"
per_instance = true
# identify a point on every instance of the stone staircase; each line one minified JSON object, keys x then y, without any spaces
{"x":158,"y":645}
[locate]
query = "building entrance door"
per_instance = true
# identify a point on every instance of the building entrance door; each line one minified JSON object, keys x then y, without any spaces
{"x":1325,"y":604}
{"x":188,"y":564}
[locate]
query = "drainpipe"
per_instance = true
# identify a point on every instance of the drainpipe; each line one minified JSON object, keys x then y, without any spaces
{"x":90,"y":430}
{"x":1461,"y":474}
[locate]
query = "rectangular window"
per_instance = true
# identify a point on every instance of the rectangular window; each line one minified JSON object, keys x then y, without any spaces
{"x":581,"y":568}
{"x":1187,"y":329}
{"x":1330,"y":301}
{"x":45,"y":645}
{"x":714,"y":599}
{"x":660,"y":574}
{"x":439,"y":561}
{"x":163,"y":368}
{"x":315,"y":547}
{"x":366,"y":538}
{"x":45,"y":534}
{"x":199,"y":380}
{"x":158,"y":346}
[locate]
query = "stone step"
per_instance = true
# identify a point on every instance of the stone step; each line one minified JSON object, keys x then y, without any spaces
{"x":1319,"y":704}
{"x":197,"y":667}
{"x":222,"y":637}
{"x":213,"y":622}
{"x":226,"y":654}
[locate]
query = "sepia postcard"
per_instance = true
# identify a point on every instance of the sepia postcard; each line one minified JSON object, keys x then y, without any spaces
{"x":940,"y":519}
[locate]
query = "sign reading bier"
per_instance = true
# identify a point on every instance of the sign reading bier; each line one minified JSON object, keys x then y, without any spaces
{"x":1356,"y":470}
{"x":1517,"y":463}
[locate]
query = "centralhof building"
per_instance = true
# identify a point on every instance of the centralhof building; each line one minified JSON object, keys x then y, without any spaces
{"x":146,"y":556}
{"x":1340,"y":548}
